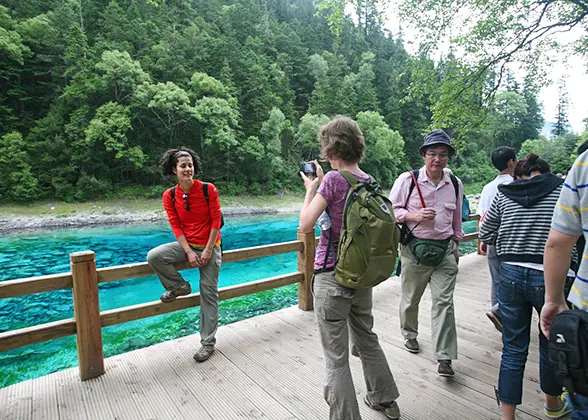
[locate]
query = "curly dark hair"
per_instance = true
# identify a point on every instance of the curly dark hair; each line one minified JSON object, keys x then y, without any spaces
{"x":341,"y":138}
{"x":169,"y":160}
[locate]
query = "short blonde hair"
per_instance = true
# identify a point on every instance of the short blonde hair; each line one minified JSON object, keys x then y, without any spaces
{"x":341,"y":138}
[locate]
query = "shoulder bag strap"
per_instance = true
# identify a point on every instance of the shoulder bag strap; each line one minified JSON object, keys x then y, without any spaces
{"x":414,"y":179}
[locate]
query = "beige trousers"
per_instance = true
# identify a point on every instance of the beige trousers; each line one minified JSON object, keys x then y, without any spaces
{"x":441,"y":280}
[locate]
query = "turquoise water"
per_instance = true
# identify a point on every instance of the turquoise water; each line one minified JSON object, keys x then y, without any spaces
{"x":43,"y":253}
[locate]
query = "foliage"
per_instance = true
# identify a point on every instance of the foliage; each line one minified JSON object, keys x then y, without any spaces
{"x":490,"y":37}
{"x":16,"y":180}
{"x":96,"y":91}
{"x":560,"y":152}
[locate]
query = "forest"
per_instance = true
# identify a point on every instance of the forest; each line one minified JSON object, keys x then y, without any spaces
{"x":94,"y":91}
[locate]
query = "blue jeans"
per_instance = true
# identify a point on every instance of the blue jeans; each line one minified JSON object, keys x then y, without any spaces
{"x":581,"y":413}
{"x":520,"y":291}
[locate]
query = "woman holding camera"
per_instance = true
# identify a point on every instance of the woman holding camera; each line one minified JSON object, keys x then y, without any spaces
{"x":193,"y":211}
{"x":341,"y":311}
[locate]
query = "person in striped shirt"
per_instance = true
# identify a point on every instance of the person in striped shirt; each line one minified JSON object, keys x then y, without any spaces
{"x":570,"y":221}
{"x":518,"y":224}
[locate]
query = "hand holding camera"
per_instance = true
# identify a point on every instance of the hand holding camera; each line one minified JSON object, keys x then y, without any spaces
{"x":312,"y":174}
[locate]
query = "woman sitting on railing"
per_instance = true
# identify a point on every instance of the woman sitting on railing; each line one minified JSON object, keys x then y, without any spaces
{"x":518,"y":223}
{"x":193,"y":210}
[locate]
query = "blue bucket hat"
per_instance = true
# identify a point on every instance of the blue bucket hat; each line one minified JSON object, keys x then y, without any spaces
{"x":437,"y":138}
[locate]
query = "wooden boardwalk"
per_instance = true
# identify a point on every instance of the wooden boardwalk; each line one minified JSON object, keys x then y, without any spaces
{"x":271,"y":367}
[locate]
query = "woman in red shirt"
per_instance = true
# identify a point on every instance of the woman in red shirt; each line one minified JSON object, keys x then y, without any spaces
{"x":195,"y":221}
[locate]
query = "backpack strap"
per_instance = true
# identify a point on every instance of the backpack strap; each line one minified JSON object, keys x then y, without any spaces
{"x":455,"y":185}
{"x":205,"y":192}
{"x":350,"y":178}
{"x":173,"y":195}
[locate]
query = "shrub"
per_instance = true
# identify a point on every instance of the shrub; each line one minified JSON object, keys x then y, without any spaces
{"x":255,"y":188}
{"x":231,"y":188}
{"x":90,"y":188}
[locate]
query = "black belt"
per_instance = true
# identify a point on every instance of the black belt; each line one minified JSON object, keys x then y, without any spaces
{"x":324,"y":270}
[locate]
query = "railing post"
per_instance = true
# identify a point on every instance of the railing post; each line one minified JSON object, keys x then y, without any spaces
{"x":306,"y":266}
{"x":87,"y":314}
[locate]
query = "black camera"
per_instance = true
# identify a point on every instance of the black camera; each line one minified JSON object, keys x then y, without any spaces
{"x":308,"y":168}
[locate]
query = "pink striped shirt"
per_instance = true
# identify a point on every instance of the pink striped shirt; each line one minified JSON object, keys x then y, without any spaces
{"x":447,"y":222}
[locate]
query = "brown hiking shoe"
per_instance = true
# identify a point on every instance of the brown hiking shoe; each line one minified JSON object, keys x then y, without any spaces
{"x":171,"y":295}
{"x":412,"y":345}
{"x":445,"y":368}
{"x":204,"y":353}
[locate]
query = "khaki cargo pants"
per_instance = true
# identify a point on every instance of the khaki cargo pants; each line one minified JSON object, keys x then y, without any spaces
{"x":340,"y":311}
{"x":441,"y":280}
{"x":162,"y":260}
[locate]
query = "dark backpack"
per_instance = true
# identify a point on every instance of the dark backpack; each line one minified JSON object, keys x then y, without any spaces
{"x":204,"y":191}
{"x":568,"y":351}
{"x":465,"y":206}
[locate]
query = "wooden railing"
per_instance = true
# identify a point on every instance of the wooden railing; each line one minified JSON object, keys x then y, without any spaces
{"x":88,"y":321}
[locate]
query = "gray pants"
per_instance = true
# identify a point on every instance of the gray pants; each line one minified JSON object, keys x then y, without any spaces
{"x":494,"y":266}
{"x":162,"y":260}
{"x":441,"y":279}
{"x":338,"y":311}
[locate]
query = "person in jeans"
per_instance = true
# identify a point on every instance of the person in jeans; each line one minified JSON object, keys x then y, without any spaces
{"x":432,"y":209}
{"x":568,"y":224}
{"x":503,"y":159}
{"x":341,"y":312}
{"x":517,"y":224}
{"x":195,"y":222}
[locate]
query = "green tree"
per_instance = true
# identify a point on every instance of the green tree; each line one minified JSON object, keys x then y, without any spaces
{"x":122,"y":73}
{"x":384,"y":158}
{"x":562,"y":124}
{"x":16,"y":180}
{"x":109,"y":129}
{"x":306,"y":140}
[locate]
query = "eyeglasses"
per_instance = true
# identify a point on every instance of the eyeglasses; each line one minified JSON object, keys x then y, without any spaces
{"x":186,"y":203}
{"x":433,"y":155}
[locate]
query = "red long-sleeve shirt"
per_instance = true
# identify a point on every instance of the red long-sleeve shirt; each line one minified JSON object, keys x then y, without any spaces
{"x":196,"y":223}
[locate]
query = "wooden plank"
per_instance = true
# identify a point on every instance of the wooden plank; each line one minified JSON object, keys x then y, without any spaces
{"x":474,"y":217}
{"x":411,"y":379}
{"x":120,"y":272}
{"x":171,"y":387}
{"x":87,"y":314}
{"x":144,"y":388}
{"x":70,"y":399}
{"x":36,"y":334}
{"x":284,"y":347}
{"x":30,"y":285}
{"x":115,"y":392}
{"x":17,"y":402}
{"x":220,"y":397}
{"x":44,"y":398}
{"x":144,"y":310}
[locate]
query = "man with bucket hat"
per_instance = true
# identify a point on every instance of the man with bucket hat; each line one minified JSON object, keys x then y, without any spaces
{"x":429,"y":201}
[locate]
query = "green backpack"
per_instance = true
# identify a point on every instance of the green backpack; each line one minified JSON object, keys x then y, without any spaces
{"x":368,"y":245}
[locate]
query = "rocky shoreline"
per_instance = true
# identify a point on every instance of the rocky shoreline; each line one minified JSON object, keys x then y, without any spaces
{"x":15,"y":223}
{"x":24,"y":223}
